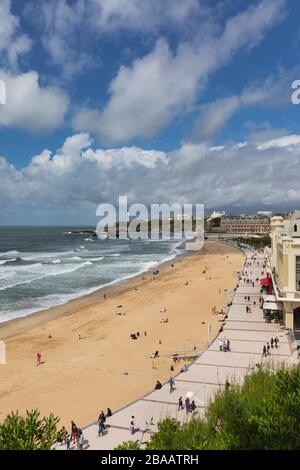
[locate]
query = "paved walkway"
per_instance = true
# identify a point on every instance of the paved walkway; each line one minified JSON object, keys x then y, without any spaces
{"x":247,"y":332}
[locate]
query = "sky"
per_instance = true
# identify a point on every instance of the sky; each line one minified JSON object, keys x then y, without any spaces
{"x":159,"y":100}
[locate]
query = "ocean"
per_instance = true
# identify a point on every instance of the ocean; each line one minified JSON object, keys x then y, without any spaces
{"x":48,"y":266}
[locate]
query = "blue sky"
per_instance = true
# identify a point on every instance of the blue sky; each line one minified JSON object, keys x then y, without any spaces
{"x":163,"y":101}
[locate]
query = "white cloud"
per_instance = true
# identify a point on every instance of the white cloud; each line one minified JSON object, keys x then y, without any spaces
{"x":29,"y":106}
{"x":288,"y":141}
{"x":67,"y":28}
{"x":214,"y":116}
{"x":143,"y":16}
{"x":76,"y":178}
{"x":149,"y":94}
{"x":12,"y":42}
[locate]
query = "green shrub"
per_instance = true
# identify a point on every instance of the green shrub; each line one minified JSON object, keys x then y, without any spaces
{"x":29,"y":433}
{"x":263,"y":413}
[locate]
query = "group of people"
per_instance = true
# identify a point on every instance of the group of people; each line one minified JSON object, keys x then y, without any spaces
{"x":224,"y":345}
{"x":154,"y":355}
{"x":137,"y":335}
{"x":189,"y":406}
{"x":74,"y":437}
{"x":269,"y":346}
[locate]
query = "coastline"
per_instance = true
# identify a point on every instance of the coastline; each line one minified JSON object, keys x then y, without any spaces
{"x":20,"y":324}
{"x":106,"y":368}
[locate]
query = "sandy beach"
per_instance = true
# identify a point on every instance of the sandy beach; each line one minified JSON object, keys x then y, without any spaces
{"x":106,"y":368}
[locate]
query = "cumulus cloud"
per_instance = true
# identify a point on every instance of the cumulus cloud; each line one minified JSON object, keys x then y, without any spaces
{"x":61,"y":27}
{"x":79,"y":176}
{"x":12,"y":42}
{"x":29,"y":106}
{"x":155,"y":89}
{"x":66,"y":28}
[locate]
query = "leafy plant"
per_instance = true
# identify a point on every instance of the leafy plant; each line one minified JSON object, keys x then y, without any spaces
{"x":28,"y":433}
{"x":263,"y":413}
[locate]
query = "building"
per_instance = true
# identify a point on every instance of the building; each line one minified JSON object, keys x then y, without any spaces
{"x":284,"y":264}
{"x":245,"y":224}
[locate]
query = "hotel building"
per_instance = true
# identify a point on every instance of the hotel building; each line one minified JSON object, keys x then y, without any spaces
{"x":284,"y":264}
{"x":245,"y":224}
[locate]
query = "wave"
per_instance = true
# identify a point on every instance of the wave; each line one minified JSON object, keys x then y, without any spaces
{"x":96,"y":259}
{"x":12,"y":260}
{"x":58,"y":272}
{"x":9,"y":254}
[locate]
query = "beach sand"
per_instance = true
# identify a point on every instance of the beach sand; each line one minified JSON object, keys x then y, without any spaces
{"x":106,"y":368}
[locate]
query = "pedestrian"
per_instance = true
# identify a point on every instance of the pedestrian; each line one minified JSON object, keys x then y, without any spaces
{"x":80,"y":439}
{"x":68,"y":442}
{"x":221,"y":345}
{"x":132,"y":425}
{"x":101,"y":423}
{"x":172,"y":384}
{"x":264,"y":351}
{"x":272,"y":343}
{"x":268,"y":349}
{"x":38,"y":359}
{"x":180,"y":403}
{"x":187,"y":404}
{"x":193,"y":406}
{"x":74,"y":432}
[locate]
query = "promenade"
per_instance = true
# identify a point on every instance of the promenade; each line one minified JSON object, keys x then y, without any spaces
{"x":247,"y":333}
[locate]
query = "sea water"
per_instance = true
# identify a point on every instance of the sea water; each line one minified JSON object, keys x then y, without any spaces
{"x":48,"y":266}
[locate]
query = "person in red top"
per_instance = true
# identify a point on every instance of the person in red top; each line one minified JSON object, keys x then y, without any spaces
{"x":38,"y":359}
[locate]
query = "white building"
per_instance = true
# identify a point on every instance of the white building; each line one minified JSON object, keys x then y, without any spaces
{"x":284,"y":261}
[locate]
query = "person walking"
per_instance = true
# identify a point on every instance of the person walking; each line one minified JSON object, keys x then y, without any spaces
{"x":272,"y":343}
{"x":264,"y":351}
{"x":172,"y":384}
{"x":74,"y":432}
{"x":68,"y":442}
{"x":38,"y":359}
{"x":180,"y":403}
{"x":268,"y":349}
{"x":187,"y":404}
{"x":132,"y":425}
{"x":101,"y":423}
{"x":80,"y":439}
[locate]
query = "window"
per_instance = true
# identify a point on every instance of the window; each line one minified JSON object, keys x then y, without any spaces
{"x":298,"y":273}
